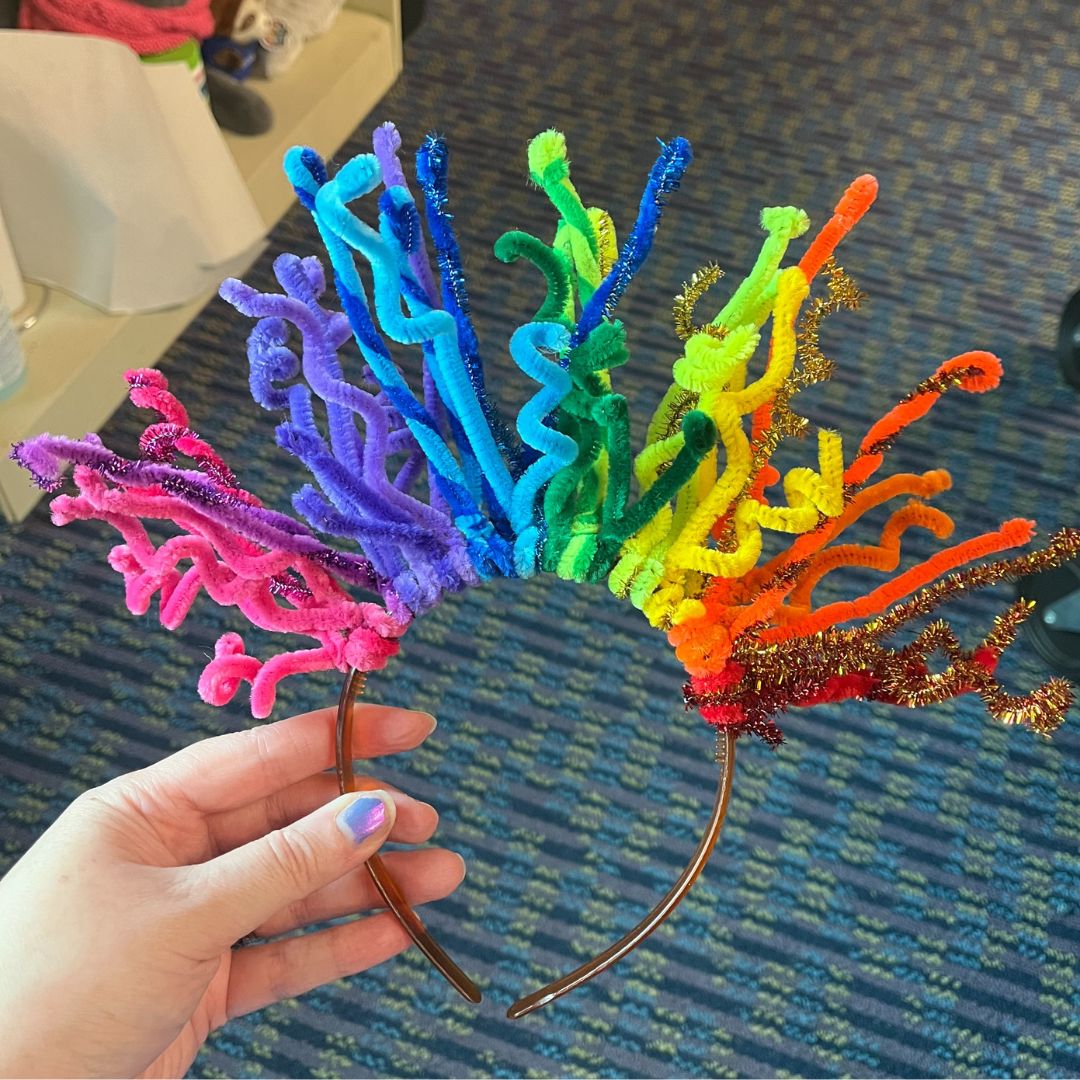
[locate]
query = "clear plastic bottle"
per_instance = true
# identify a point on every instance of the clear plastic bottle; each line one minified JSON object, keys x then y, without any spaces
{"x":12,"y":358}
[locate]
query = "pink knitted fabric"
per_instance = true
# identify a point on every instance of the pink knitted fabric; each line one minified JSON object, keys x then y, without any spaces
{"x":146,"y":30}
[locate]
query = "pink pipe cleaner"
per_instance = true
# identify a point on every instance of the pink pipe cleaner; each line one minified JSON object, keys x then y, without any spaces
{"x":277,"y":591}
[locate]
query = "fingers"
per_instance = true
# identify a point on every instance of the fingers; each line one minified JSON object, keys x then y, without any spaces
{"x":422,"y":875}
{"x":268,"y":973}
{"x":414,"y":824}
{"x":245,"y":887}
{"x":281,"y":969}
{"x":231,"y":770}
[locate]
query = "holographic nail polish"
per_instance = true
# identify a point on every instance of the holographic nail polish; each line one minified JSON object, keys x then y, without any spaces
{"x":362,"y":818}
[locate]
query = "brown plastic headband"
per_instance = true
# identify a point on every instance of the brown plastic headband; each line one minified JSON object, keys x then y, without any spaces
{"x":396,"y":902}
{"x":388,"y":888}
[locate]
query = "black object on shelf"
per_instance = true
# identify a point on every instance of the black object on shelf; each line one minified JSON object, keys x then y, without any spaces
{"x":1054,"y":626}
{"x":1068,"y":343}
{"x":412,"y":15}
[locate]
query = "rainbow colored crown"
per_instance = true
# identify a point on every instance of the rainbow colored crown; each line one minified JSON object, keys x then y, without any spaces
{"x":427,"y":490}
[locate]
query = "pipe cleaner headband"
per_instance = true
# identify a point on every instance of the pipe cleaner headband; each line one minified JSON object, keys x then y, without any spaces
{"x":427,"y":491}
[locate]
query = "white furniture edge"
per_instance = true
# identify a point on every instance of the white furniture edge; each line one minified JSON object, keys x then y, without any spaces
{"x":77,"y":356}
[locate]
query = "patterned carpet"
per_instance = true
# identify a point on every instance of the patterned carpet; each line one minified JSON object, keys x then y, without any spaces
{"x":895,"y":893}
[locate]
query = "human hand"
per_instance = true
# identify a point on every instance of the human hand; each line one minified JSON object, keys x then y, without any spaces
{"x":117,"y":926}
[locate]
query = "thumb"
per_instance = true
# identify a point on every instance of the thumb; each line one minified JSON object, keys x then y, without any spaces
{"x":244,"y":887}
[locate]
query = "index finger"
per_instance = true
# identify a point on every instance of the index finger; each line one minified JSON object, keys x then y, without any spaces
{"x":232,"y":770}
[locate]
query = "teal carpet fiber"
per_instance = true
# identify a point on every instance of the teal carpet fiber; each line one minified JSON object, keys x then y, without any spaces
{"x":895,"y":893}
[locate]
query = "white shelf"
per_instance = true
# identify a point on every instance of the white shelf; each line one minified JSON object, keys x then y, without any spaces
{"x":76,"y":355}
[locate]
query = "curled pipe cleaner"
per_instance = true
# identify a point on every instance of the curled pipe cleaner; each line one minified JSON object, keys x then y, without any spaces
{"x":432,"y":174}
{"x":553,"y":264}
{"x":399,"y":224}
{"x":488,"y":552}
{"x":384,"y":509}
{"x":46,"y":457}
{"x":576,"y":499}
{"x":749,"y":303}
{"x":367,"y":497}
{"x":664,"y":177}
{"x":882,"y":556}
{"x":698,"y":441}
{"x":556,"y":449}
{"x":444,"y":365}
{"x":323,"y":333}
{"x":974,"y":372}
{"x":1013,"y":533}
{"x":386,"y":142}
{"x":550,"y":170}
{"x":763,"y":577}
{"x":451,"y":378}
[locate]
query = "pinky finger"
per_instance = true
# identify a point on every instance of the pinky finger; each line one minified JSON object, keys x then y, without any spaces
{"x":283,"y":969}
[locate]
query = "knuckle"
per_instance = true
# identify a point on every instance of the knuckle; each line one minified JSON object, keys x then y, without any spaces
{"x":342,"y":953}
{"x":108,"y":801}
{"x":293,"y":859}
{"x":293,"y":916}
{"x":279,"y":976}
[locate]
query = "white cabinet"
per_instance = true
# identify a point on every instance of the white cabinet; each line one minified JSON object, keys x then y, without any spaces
{"x":76,"y":355}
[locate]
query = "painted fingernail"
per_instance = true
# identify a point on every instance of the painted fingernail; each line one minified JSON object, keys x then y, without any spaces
{"x":362,"y":818}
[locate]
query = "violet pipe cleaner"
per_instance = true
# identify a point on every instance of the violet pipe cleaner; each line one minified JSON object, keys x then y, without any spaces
{"x":300,"y":434}
{"x":46,"y":456}
{"x":400,"y":534}
{"x":303,"y":280}
{"x":386,"y":141}
{"x":323,"y":373}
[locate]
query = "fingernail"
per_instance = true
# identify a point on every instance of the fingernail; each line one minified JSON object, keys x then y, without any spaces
{"x":362,"y":818}
{"x":434,"y":722}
